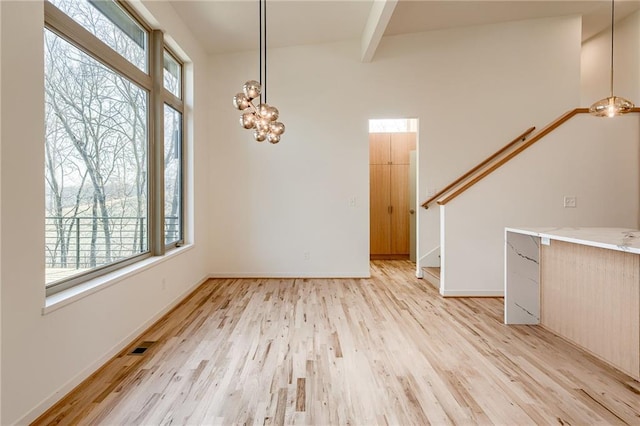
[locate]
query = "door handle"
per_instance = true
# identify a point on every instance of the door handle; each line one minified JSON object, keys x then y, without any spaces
{"x":411,"y":211}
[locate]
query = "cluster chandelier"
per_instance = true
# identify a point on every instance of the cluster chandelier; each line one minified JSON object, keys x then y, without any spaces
{"x":263,"y":117}
{"x":613,"y":105}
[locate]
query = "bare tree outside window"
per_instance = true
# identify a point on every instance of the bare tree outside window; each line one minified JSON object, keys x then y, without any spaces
{"x":98,"y":149}
{"x":172,"y":174}
{"x":96,"y":161}
{"x":172,"y":81}
{"x":95,"y":146}
{"x":109,"y":23}
{"x":172,"y":75}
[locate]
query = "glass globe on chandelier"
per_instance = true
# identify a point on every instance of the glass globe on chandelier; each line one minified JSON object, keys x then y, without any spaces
{"x":613,"y":105}
{"x":261,"y":118}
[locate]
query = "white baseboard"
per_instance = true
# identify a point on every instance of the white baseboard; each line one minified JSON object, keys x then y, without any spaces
{"x":48,"y":402}
{"x":275,"y":275}
{"x":472,"y":293}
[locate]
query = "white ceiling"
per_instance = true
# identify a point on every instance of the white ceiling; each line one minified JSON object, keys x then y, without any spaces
{"x":232,"y":25}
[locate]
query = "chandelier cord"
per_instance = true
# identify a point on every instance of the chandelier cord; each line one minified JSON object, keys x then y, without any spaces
{"x":262,"y":11}
{"x":262,"y":118}
{"x":612,"y":22}
{"x":265,"y":49}
{"x":260,"y":45}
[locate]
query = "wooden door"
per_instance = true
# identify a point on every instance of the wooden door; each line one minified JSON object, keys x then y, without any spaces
{"x":379,"y":221}
{"x":400,"y":209}
{"x":379,"y":150}
{"x":389,"y":193}
{"x":401,"y":144}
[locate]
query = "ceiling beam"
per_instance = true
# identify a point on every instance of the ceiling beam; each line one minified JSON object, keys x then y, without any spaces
{"x":379,"y":18}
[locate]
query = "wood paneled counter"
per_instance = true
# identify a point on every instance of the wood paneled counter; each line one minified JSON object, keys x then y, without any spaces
{"x":581,"y":283}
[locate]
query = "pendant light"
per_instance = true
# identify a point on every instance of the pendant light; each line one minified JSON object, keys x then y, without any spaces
{"x":613,"y":105}
{"x":261,"y":118}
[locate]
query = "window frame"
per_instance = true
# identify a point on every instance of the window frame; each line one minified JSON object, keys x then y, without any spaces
{"x":179,"y":242}
{"x":177,"y":103}
{"x":68,"y":29}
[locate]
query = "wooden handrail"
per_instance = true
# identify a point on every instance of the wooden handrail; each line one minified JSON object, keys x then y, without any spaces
{"x":444,"y":190}
{"x":542,"y":133}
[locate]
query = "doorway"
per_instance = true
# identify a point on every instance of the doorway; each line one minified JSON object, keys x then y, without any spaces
{"x":392,"y":188}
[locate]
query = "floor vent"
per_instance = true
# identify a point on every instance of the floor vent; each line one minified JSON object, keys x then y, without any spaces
{"x":141,"y":348}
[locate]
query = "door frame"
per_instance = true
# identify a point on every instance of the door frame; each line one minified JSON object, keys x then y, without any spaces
{"x":414,"y":127}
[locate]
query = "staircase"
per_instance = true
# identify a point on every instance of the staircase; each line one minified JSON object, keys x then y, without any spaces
{"x":480,"y":247}
{"x":432,"y":273}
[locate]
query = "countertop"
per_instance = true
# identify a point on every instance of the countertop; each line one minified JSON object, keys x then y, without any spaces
{"x":621,"y":239}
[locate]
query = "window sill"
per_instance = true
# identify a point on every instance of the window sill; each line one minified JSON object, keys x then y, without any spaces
{"x":66,"y":297}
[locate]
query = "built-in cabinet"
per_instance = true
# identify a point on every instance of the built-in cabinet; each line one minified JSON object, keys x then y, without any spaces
{"x":590,"y":296}
{"x":389,"y":161}
{"x":582,"y":284}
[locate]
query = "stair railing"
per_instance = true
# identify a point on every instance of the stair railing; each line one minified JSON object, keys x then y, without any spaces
{"x":467,"y":180}
{"x":479,"y":166}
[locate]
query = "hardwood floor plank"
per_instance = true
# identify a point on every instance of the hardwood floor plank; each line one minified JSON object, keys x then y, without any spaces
{"x":300,"y":394}
{"x":386,"y":350}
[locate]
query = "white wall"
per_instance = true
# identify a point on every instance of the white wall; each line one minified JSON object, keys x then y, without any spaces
{"x":596,"y":65}
{"x":529,"y":82}
{"x":529,"y":190}
{"x":472,"y":89}
{"x":0,"y":221}
{"x":43,"y":356}
{"x":594,"y":159}
{"x":273,"y":203}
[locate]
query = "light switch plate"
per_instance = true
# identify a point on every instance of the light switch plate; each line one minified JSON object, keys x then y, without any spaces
{"x":570,"y":201}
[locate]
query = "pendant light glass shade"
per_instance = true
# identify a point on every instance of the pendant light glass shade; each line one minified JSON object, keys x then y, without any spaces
{"x":613,"y":105}
{"x":261,"y":118}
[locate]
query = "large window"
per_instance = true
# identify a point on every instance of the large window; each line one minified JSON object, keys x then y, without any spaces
{"x":112,"y":25}
{"x":172,"y":174}
{"x":173,"y":110}
{"x":108,"y":201}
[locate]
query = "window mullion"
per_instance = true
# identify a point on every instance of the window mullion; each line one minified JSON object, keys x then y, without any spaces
{"x":173,"y":101}
{"x":156,"y":140}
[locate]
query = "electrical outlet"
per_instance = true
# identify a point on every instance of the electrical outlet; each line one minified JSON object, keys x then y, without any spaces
{"x":353,"y":202}
{"x":306,"y":255}
{"x":570,"y":201}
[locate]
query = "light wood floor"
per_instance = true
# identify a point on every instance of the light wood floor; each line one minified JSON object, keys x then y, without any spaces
{"x":385,"y":350}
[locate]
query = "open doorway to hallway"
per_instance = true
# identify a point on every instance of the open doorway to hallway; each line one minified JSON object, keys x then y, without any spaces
{"x":392,"y":188}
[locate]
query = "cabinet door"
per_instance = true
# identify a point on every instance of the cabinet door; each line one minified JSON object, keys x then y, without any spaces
{"x":379,"y":151}
{"x":379,"y":220}
{"x":401,"y":145}
{"x":400,"y":212}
